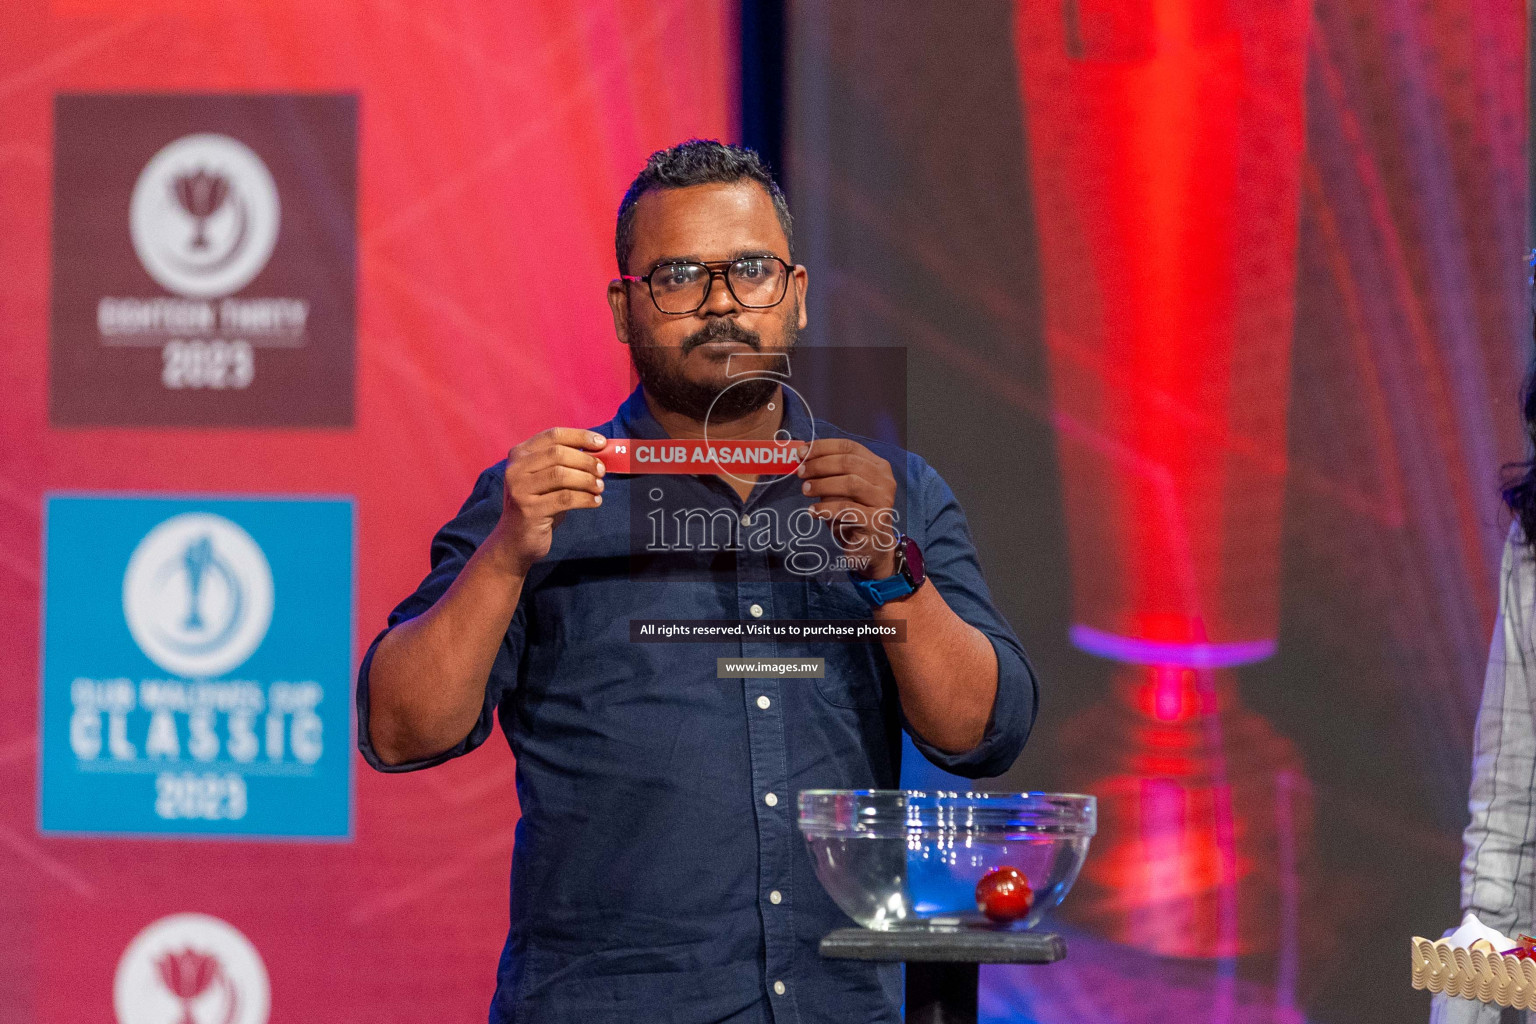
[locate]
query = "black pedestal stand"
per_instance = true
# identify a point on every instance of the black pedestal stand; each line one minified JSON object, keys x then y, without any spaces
{"x":942,"y":966}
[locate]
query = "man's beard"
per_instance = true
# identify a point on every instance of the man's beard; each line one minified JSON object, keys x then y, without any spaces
{"x":665,"y":381}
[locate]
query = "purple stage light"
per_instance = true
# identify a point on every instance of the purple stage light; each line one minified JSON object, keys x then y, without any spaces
{"x":1170,"y":655}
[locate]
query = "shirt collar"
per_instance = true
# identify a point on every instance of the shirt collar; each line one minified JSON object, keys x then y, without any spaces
{"x":634,"y":418}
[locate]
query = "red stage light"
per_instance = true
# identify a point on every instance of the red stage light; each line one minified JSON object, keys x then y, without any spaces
{"x":1165,"y":143}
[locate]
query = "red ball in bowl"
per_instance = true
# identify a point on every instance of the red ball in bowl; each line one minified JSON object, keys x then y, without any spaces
{"x":1004,"y":895}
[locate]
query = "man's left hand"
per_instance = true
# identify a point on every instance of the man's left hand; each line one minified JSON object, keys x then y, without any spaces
{"x":855,"y":491}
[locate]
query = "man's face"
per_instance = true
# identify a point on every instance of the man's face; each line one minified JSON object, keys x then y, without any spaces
{"x":682,"y":358}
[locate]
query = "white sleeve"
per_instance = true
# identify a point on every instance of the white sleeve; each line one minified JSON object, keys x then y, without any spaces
{"x":1500,"y":839}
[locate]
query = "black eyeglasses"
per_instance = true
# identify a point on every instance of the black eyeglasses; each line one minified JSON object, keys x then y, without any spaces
{"x":756,"y":282}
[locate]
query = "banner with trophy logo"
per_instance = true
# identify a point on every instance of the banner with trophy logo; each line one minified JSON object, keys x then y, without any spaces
{"x":203,"y":260}
{"x":197,"y":666}
{"x":191,"y":967}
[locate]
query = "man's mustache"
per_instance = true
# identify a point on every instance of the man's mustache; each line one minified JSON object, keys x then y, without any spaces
{"x":722,"y":330}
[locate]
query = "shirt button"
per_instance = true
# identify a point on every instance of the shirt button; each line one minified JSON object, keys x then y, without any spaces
{"x":746,"y":520}
{"x":763,"y":703}
{"x":772,"y":800}
{"x":778,"y":988}
{"x":756,"y":610}
{"x":775,"y":897}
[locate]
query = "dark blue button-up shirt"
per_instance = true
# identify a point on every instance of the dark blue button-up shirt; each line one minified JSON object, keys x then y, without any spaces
{"x":658,"y":873}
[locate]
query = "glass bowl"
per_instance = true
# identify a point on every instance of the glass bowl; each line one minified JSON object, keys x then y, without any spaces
{"x":901,"y":859}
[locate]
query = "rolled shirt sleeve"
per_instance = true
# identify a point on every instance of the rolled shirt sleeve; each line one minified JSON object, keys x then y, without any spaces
{"x":451,"y":549}
{"x":1500,"y":838}
{"x":949,"y":559}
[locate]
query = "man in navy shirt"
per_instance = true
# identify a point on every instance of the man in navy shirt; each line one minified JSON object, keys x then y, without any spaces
{"x":658,"y":875}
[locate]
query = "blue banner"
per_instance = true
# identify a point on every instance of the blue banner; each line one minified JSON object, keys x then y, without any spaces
{"x":197,"y":666}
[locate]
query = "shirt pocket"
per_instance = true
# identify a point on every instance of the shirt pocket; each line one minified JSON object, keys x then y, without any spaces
{"x":855,"y":672}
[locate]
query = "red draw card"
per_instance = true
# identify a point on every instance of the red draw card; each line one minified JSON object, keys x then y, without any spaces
{"x":696,"y":455}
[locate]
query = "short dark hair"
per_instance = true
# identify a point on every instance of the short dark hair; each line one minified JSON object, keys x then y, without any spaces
{"x":696,"y":162}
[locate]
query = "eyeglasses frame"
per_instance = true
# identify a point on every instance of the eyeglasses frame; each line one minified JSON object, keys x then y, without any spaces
{"x":715,"y":267}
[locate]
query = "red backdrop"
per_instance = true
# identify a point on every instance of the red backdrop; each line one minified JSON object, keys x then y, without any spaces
{"x":496,"y":139}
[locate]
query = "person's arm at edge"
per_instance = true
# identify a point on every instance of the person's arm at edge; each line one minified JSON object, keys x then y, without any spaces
{"x":1497,"y":859}
{"x":1500,"y":838}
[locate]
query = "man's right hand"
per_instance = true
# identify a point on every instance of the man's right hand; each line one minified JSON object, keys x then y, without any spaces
{"x":547,"y":475}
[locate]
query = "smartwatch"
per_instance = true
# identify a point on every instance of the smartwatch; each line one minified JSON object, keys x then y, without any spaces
{"x":908,"y":577}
